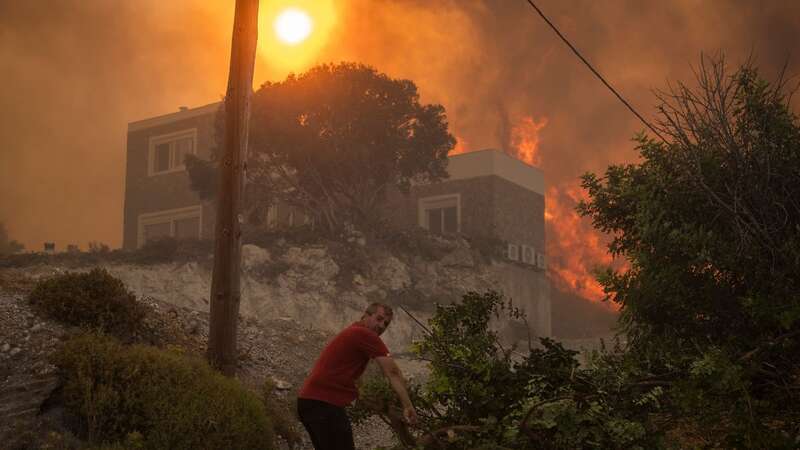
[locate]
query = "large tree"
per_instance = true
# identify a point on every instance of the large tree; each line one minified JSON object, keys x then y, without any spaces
{"x":710,"y":223}
{"x":334,"y":140}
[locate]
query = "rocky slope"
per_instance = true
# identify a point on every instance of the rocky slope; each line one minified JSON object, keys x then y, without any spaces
{"x":294,"y":298}
{"x":279,"y":350}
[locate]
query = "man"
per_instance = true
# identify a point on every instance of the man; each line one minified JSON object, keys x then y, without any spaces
{"x":332,"y":383}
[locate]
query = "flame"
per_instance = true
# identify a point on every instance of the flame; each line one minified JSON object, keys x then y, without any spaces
{"x":525,"y":138}
{"x":460,"y":147}
{"x":574,"y":248}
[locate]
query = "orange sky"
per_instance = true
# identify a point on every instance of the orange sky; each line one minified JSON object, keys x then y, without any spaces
{"x":75,"y":72}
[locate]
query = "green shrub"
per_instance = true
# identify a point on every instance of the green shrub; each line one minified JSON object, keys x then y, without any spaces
{"x":482,"y":395}
{"x":95,"y":300}
{"x":418,"y":242}
{"x":167,"y":249}
{"x":266,"y":237}
{"x":165,"y":399}
{"x":489,"y":248}
{"x":154,"y":251}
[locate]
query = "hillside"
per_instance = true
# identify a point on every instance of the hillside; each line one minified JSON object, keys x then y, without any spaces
{"x":276,"y":349}
{"x":296,"y":294}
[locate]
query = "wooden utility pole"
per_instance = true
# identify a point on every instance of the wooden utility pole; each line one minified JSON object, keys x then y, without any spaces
{"x":225,"y":292}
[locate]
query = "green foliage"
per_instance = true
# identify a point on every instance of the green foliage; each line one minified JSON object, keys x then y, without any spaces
{"x":471,"y":376}
{"x":158,"y":251}
{"x":333,"y":140}
{"x":95,"y":299}
{"x":489,"y":248}
{"x":202,"y":176}
{"x":482,"y":395}
{"x":169,"y":249}
{"x":710,"y":224}
{"x":418,"y":242}
{"x":157,"y":399}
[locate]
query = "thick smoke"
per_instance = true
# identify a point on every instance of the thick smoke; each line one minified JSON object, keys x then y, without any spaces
{"x":76,"y":72}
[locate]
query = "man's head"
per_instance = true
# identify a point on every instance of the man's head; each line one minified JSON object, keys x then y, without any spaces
{"x":377,"y":317}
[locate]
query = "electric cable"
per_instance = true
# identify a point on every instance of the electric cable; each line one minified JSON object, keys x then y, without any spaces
{"x":597,"y":74}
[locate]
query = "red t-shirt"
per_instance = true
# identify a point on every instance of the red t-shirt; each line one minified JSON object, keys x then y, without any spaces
{"x":333,"y":378}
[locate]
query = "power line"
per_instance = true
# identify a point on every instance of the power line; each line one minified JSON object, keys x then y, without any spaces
{"x":578,"y":54}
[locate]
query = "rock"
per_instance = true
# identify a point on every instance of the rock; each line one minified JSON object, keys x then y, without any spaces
{"x":391,"y":273}
{"x":358,"y":280}
{"x":15,"y":351}
{"x":6,"y":347}
{"x":36,"y":327}
{"x":460,"y":257}
{"x":281,"y":385}
{"x":315,"y":258}
{"x":253,"y":255}
{"x":194,"y":327}
{"x":312,"y":270}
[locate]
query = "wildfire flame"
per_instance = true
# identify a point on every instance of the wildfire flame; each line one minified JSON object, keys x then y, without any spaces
{"x":460,"y":147}
{"x":525,"y":138}
{"x":574,"y":248}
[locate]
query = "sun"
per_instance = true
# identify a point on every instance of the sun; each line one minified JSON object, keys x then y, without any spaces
{"x":293,"y":34}
{"x":293,"y":26}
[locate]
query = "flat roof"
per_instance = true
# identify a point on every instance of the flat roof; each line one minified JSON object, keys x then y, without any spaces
{"x":173,"y":117}
{"x":496,"y":162}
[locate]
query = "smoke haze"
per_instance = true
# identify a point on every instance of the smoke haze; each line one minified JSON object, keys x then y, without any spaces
{"x":74,"y":73}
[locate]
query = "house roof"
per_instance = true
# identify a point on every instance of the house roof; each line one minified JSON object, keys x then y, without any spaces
{"x":173,"y":117}
{"x":496,"y":162}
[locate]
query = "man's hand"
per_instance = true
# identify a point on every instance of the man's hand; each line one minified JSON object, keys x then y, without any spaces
{"x":398,"y":384}
{"x":410,"y":414}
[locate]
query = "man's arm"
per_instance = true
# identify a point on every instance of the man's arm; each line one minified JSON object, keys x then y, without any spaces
{"x":398,"y":383}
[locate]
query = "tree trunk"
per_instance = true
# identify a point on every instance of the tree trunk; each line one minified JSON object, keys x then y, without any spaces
{"x":225,"y":293}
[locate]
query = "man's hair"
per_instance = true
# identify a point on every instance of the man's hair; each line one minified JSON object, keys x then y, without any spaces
{"x":373,"y":308}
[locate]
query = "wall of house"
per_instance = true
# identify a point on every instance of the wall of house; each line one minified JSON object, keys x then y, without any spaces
{"x":490,"y":206}
{"x":518,"y":214}
{"x":149,"y":194}
{"x":530,"y":291}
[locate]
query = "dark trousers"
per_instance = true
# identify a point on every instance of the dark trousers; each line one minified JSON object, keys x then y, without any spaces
{"x":327,"y":425}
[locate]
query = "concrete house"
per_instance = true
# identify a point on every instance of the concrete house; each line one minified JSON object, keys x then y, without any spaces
{"x":158,"y":200}
{"x":489,"y":194}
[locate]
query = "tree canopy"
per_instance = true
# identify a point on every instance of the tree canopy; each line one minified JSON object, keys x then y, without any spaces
{"x":335,"y":139}
{"x":710,"y":223}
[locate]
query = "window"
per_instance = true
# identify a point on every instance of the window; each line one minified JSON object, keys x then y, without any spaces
{"x":182,"y":223}
{"x":168,"y":151}
{"x":441,"y":214}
